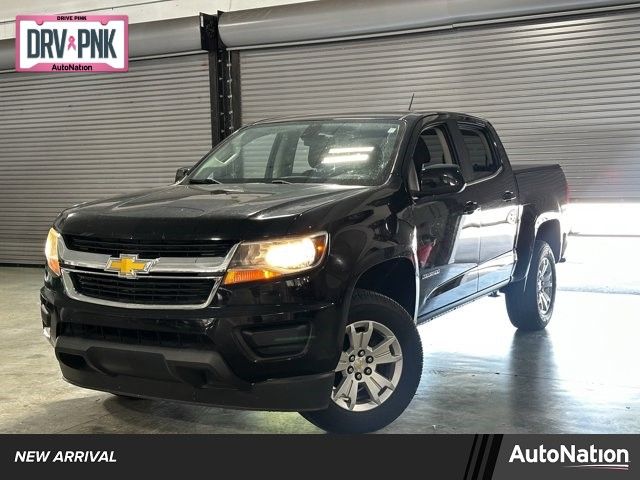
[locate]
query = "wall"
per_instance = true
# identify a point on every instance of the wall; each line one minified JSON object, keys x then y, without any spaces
{"x":138,"y":11}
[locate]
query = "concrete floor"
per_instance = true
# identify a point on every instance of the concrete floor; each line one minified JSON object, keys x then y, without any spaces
{"x":581,"y":375}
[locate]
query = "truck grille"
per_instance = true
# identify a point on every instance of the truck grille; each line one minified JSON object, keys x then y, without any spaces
{"x":148,"y":249}
{"x":133,"y":336}
{"x":144,"y":290}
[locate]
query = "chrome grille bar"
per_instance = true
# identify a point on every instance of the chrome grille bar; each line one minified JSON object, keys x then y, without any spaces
{"x":162,"y":267}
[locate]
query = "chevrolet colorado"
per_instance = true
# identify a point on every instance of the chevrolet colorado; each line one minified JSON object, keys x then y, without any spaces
{"x":288,"y":269}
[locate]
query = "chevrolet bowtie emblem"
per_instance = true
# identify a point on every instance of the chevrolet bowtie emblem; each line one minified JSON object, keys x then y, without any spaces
{"x":128,"y":266}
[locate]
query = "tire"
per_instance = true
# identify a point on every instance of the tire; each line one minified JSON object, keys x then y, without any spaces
{"x":523,"y":298}
{"x":379,"y":323}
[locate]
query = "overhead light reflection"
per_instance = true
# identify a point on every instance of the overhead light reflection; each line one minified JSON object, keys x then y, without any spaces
{"x":348,"y":155}
{"x":353,"y":158}
{"x":342,"y":150}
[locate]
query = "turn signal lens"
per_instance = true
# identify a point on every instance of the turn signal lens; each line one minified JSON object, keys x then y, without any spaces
{"x":254,"y":261}
{"x":239,"y":276}
{"x":51,"y":252}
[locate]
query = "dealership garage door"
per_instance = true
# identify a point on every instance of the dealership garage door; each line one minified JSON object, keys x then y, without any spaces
{"x":559,"y":90}
{"x":70,"y":138}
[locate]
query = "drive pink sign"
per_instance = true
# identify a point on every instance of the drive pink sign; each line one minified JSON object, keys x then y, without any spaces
{"x":72,"y":43}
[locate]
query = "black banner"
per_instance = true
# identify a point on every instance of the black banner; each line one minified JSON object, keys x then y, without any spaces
{"x":465,"y":457}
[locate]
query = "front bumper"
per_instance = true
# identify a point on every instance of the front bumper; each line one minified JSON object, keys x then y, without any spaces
{"x":183,"y":375}
{"x":244,"y":351}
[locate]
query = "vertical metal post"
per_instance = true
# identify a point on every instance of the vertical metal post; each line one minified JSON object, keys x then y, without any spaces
{"x":224,"y":81}
{"x":229,"y":91}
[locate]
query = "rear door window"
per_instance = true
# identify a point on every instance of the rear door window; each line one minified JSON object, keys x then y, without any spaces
{"x":482,"y":161}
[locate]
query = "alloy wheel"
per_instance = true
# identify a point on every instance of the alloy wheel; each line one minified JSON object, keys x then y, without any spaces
{"x":370,"y":366}
{"x":544,"y":286}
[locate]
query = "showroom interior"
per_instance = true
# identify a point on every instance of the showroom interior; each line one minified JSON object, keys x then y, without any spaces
{"x":558,"y":79}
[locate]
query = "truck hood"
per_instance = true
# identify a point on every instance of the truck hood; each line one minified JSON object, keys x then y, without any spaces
{"x":238,"y":211}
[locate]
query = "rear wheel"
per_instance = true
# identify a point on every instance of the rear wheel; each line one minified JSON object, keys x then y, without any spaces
{"x":530,"y":302}
{"x":379,"y":367}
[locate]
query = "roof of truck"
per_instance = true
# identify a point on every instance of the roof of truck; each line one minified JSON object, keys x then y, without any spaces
{"x":404,"y":115}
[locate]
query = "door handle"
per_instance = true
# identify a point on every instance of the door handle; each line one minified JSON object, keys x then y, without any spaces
{"x":508,"y":196}
{"x":470,"y":207}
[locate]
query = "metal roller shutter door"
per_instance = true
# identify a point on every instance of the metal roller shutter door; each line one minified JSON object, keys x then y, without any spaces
{"x":563,"y":90}
{"x":70,"y":138}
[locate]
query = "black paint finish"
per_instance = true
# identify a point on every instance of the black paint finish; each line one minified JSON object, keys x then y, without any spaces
{"x":429,"y":252}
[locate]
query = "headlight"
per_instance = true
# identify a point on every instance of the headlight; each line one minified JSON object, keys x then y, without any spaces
{"x":255,"y":261}
{"x":51,"y":251}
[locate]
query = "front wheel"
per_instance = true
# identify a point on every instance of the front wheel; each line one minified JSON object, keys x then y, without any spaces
{"x":530,"y":302}
{"x":379,"y":368}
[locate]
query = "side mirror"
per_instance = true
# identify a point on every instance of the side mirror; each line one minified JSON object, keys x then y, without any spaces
{"x":441,"y":179}
{"x":181,"y":173}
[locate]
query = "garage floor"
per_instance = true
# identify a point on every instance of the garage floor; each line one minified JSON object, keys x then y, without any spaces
{"x":582,"y":375}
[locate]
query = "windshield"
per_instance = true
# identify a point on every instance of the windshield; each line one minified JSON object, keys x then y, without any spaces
{"x":343,"y":152}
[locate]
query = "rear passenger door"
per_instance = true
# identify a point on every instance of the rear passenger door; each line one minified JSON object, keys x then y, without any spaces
{"x":493,"y":184}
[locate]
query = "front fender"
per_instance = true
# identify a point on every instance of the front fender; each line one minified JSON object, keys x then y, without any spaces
{"x":403,"y":246}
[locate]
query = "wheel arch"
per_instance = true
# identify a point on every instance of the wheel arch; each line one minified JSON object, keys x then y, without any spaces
{"x":395,"y":278}
{"x":536,"y":226}
{"x":550,"y":232}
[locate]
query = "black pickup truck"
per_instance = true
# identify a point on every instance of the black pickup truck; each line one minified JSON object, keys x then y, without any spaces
{"x":288,"y":269}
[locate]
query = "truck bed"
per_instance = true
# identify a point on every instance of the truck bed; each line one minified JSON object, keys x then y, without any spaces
{"x":542,"y":185}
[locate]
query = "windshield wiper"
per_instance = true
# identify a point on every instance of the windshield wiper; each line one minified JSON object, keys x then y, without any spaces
{"x":204,"y":181}
{"x":279,"y":180}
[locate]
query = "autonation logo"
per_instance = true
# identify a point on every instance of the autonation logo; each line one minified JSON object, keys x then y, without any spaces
{"x":573,"y":457}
